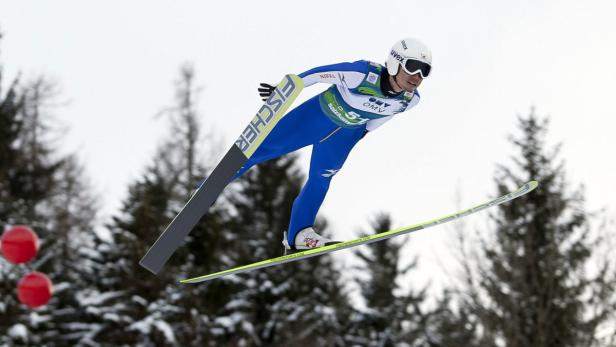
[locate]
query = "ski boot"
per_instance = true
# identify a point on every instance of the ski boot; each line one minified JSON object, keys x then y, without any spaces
{"x":306,"y":239}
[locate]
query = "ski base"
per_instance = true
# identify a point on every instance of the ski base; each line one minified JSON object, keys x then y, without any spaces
{"x":526,"y":188}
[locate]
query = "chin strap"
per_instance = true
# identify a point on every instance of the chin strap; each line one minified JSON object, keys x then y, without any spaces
{"x":386,"y":86}
{"x":398,"y":84}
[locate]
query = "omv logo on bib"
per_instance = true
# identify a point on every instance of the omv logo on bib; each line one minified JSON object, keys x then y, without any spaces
{"x":376,"y":105}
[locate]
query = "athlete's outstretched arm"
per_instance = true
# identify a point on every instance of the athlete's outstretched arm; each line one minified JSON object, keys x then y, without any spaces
{"x":350,"y":73}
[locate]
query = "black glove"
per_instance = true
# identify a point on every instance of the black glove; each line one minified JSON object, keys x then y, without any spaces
{"x":266,"y":90}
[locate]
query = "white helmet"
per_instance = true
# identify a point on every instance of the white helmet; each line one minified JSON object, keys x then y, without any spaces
{"x":413,"y":55}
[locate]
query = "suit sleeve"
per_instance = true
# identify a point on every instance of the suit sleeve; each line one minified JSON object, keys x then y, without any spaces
{"x":351,"y":74}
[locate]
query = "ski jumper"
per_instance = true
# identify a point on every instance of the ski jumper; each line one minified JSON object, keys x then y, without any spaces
{"x":332,"y":122}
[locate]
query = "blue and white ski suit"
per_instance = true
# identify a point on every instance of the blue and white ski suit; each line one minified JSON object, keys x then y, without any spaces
{"x":332,"y":122}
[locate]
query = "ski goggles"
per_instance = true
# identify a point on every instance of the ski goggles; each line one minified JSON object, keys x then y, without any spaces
{"x":412,"y":66}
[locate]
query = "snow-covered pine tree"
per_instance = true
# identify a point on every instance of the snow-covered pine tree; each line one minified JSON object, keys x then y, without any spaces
{"x":449,"y":325}
{"x":537,"y":282}
{"x":392,"y":318}
{"x":68,"y":221}
{"x":301,"y":303}
{"x":46,"y":190}
{"x":11,"y":105}
{"x":133,"y":306}
{"x":207,"y":247}
{"x":11,"y":124}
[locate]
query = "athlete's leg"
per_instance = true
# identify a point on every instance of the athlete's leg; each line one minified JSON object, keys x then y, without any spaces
{"x":327,"y":159}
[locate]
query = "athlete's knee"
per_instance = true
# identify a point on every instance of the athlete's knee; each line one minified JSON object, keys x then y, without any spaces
{"x":327,"y":173}
{"x":319,"y":181}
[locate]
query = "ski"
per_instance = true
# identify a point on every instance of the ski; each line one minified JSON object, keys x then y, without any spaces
{"x":244,"y":147}
{"x":366,"y":239}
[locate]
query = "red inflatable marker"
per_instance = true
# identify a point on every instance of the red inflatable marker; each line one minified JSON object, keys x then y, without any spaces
{"x":19,"y":244}
{"x":34,"y":289}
